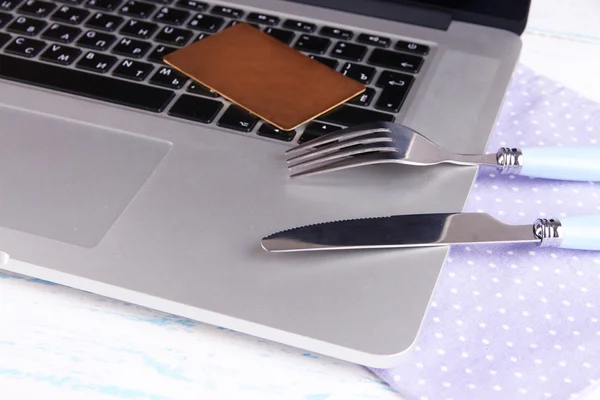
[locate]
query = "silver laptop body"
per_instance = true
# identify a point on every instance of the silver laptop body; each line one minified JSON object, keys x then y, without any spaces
{"x":168,"y":213}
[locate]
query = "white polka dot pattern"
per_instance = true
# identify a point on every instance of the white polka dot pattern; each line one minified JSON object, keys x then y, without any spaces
{"x":516,"y":321}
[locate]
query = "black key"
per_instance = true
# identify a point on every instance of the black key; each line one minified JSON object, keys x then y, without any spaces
{"x":59,"y":54}
{"x":171,"y":16}
{"x":174,"y":36}
{"x":131,"y":48}
{"x":410,"y":47}
{"x":391,"y":98}
{"x":196,"y":108}
{"x":202,"y":90}
{"x":138,"y":9}
{"x":4,"y":38}
{"x":360,"y":73}
{"x":73,"y":2}
{"x":139,"y":29}
{"x":26,"y":26}
{"x":316,"y":129}
{"x":85,"y":84}
{"x":70,"y":15}
{"x":268,"y":130}
{"x":349,"y":51}
{"x":162,"y":2}
{"x":131,"y":69}
{"x":169,"y":78}
{"x":350,"y":115}
{"x":8,"y":5}
{"x":37,"y":8}
{"x":192,"y":5}
{"x":25,"y":47}
{"x":374,"y":40}
{"x":202,"y":36}
{"x":394,"y":60}
{"x":299,"y":25}
{"x":313,"y":44}
{"x":364,"y":99}
{"x":336,"y":33}
{"x":263,"y":19}
{"x":104,"y":5}
{"x":281,"y":35}
{"x":389,"y":78}
{"x":105,"y":22}
{"x":159,"y":52}
{"x":61,"y":33}
{"x":96,"y":40}
{"x":237,"y":21}
{"x":4,"y":19}
{"x":228,"y":12}
{"x":238,"y":119}
{"x":330,"y":62}
{"x":97,"y":62}
{"x":206,"y":23}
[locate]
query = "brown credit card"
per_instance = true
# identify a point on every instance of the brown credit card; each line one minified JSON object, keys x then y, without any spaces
{"x":264,"y":76}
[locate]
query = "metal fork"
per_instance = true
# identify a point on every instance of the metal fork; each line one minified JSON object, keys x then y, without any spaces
{"x":386,"y":142}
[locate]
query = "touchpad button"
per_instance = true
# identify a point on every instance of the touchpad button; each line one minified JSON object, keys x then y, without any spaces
{"x":69,"y":181}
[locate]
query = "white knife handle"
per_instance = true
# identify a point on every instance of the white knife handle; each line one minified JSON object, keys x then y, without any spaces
{"x":574,"y":163}
{"x":579,"y":232}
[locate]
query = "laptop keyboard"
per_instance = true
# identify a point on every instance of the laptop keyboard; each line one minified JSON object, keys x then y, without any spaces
{"x":112,"y":50}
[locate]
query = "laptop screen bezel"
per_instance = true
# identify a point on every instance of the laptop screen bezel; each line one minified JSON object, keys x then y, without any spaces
{"x":435,"y":13}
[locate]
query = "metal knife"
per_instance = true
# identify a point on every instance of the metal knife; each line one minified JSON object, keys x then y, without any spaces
{"x":422,"y":230}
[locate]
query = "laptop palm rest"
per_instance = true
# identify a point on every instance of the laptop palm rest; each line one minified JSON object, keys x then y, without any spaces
{"x":69,"y":181}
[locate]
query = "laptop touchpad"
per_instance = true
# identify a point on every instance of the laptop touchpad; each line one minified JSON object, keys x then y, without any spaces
{"x":69,"y":181}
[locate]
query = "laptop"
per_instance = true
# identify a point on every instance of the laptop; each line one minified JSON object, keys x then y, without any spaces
{"x":120,"y":177}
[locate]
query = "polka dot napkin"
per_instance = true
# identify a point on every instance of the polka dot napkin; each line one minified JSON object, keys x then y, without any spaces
{"x":516,"y":321}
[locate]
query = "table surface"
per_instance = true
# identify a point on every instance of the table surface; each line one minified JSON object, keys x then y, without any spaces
{"x":58,"y":342}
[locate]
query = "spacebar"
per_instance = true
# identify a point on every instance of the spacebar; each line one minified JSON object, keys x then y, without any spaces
{"x":84,"y":84}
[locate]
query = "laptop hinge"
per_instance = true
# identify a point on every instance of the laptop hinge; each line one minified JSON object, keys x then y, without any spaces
{"x":427,"y":17}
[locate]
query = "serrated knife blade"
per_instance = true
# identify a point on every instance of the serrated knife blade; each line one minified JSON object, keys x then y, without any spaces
{"x":411,"y":230}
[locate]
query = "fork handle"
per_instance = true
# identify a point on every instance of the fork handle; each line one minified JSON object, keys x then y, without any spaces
{"x":575,"y":163}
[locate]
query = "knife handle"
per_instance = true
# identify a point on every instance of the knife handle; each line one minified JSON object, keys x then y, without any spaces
{"x":580,"y":232}
{"x":575,"y":163}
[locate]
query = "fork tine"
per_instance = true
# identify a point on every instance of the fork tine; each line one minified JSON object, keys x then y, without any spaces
{"x":367,"y":159}
{"x":331,"y":148}
{"x":373,"y":148}
{"x":342,"y":134}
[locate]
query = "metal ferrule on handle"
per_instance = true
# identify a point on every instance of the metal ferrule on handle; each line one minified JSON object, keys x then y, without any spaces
{"x":510,"y":161}
{"x":549,"y":231}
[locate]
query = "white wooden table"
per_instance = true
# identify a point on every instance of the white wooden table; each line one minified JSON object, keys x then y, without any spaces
{"x":57,"y":342}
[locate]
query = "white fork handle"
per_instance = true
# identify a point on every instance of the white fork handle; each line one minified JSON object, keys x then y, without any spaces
{"x":575,"y":163}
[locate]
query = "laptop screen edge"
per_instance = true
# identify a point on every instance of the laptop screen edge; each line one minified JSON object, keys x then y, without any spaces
{"x":437,"y":14}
